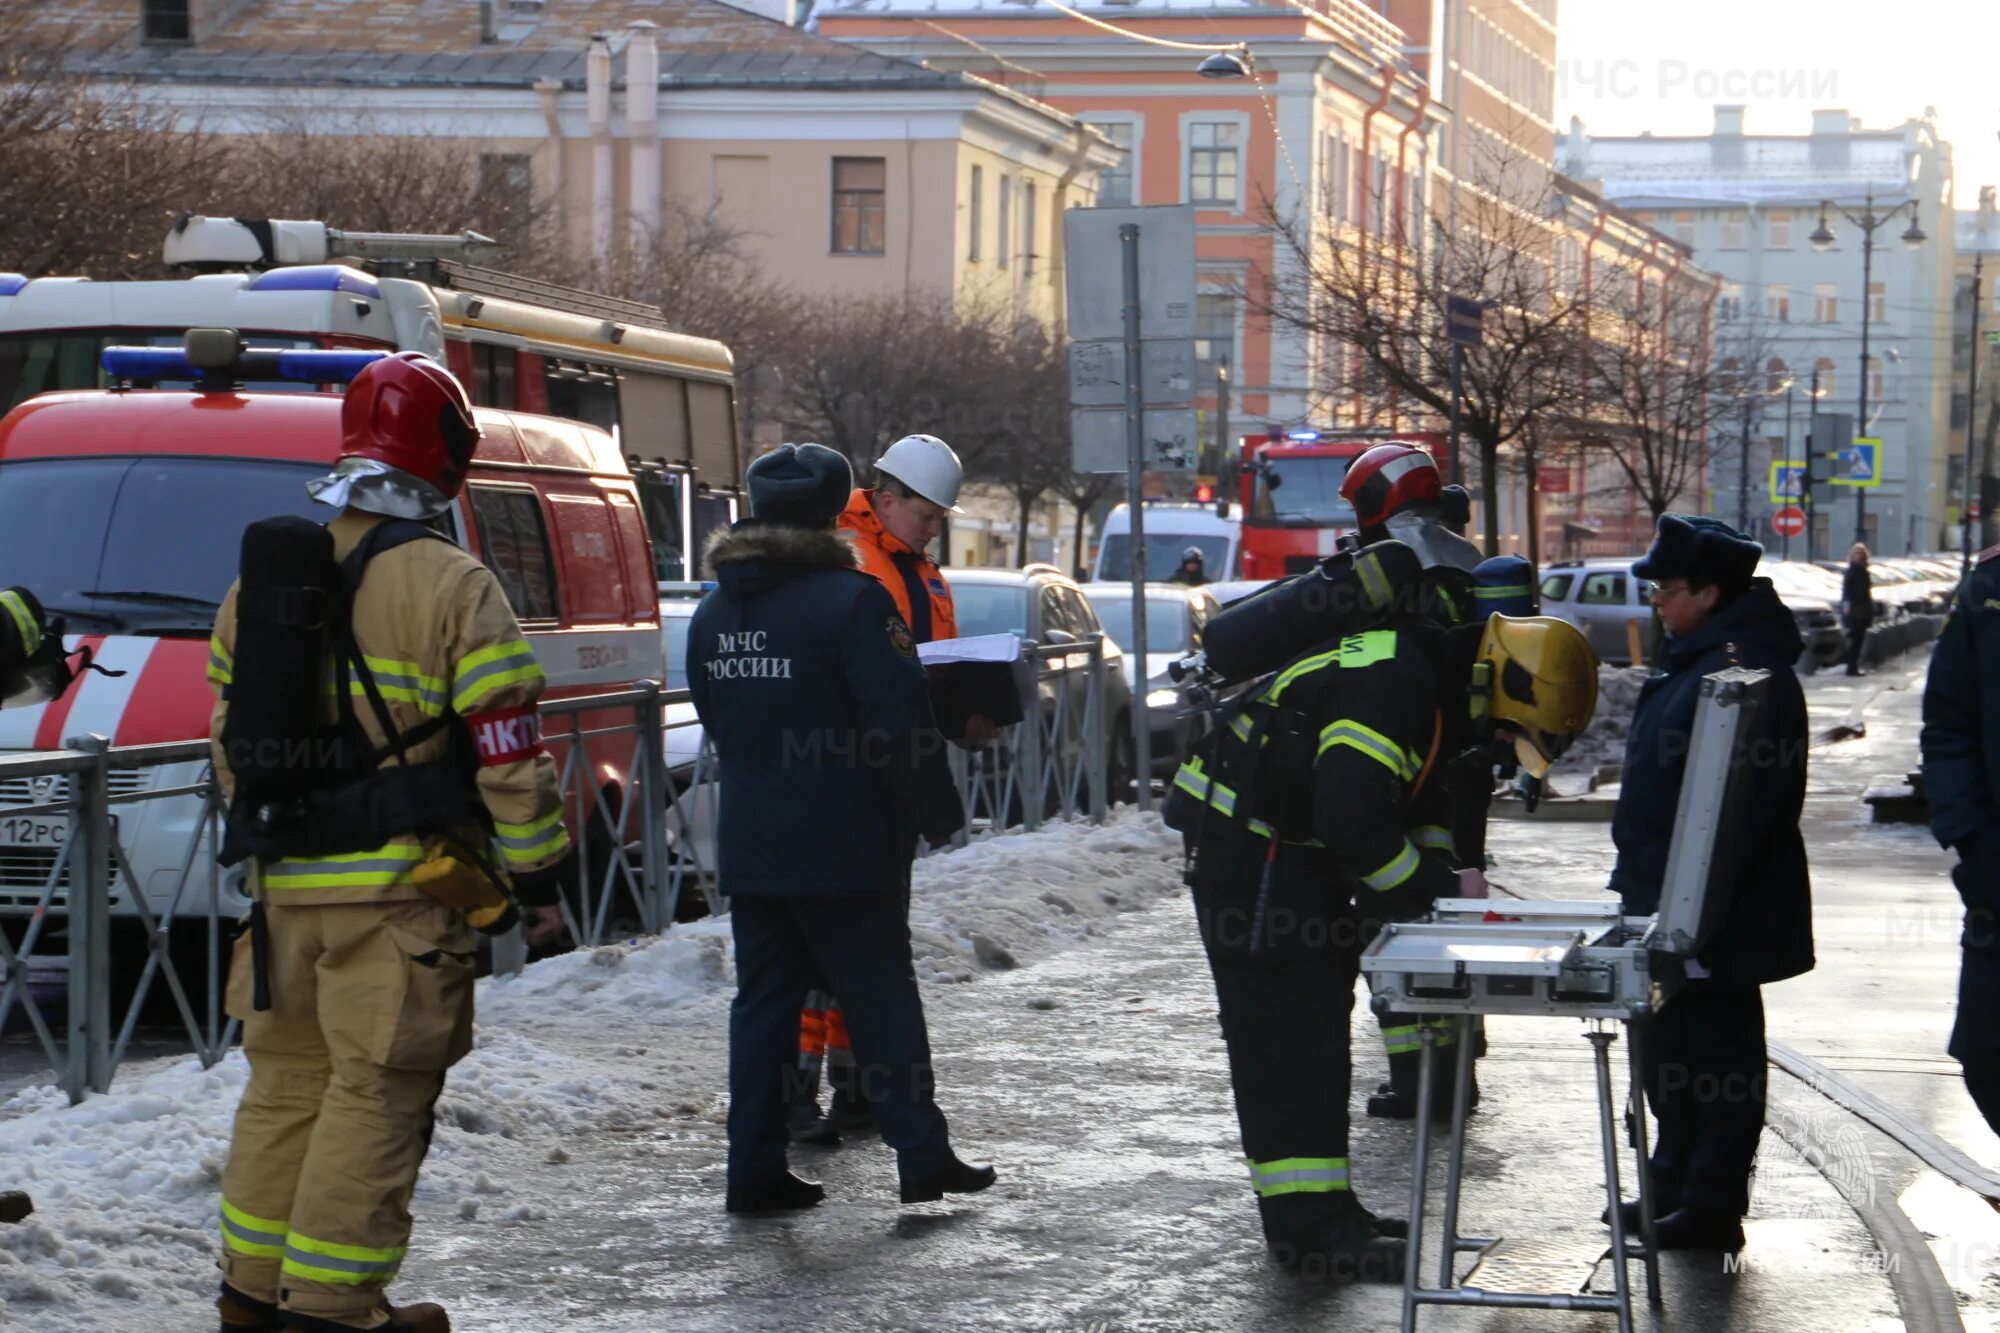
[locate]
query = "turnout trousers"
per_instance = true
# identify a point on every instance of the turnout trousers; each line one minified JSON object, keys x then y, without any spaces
{"x":370,"y":1004}
{"x":858,"y":945}
{"x":1284,"y":985}
{"x":1703,"y":1062}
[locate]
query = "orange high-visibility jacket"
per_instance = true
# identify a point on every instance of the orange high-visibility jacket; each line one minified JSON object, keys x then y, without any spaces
{"x":911,"y":577}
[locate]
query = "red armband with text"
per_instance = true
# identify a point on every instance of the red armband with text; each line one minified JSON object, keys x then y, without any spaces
{"x":506,"y":735}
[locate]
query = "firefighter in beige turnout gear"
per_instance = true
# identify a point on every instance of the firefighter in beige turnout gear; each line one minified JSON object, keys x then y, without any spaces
{"x":370,"y":980}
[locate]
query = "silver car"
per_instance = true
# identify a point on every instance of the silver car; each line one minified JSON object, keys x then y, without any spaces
{"x":1603,"y":599}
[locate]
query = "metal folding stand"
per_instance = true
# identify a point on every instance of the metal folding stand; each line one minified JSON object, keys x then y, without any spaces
{"x":1512,"y":1271}
{"x":1580,"y":960}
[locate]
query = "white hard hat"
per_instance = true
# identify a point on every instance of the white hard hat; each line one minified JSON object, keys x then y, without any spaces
{"x":926,"y":465}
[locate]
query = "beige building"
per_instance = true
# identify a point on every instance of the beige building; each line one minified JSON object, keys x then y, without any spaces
{"x":844,"y":170}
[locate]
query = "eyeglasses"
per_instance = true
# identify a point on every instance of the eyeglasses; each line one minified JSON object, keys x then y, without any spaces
{"x":1662,"y":591}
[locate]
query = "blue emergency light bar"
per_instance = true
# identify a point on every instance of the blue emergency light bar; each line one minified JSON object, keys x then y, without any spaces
{"x":317,"y":278}
{"x":306,"y":366}
{"x":1303,"y":436}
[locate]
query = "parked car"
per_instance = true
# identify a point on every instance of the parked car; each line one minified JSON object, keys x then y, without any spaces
{"x":1175,"y":615}
{"x":1813,"y":597}
{"x":1601,"y":597}
{"x":692,"y":825}
{"x":1045,"y":606}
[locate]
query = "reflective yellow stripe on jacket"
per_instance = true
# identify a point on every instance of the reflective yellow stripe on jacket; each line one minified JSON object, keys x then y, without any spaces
{"x":480,"y":673}
{"x":380,"y":868}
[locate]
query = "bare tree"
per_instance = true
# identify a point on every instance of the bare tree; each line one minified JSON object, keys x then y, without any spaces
{"x":1379,"y":302}
{"x":1660,"y":396}
{"x":90,"y":177}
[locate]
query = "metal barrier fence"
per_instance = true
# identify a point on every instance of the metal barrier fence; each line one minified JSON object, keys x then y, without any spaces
{"x":1055,"y":762}
{"x":114,"y":851}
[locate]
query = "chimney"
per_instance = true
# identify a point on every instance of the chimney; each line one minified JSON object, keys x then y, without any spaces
{"x":1986,"y":227}
{"x":642,"y":126}
{"x":1728,"y":121}
{"x":487,"y":33}
{"x":1832,"y":122}
{"x":597,"y":96}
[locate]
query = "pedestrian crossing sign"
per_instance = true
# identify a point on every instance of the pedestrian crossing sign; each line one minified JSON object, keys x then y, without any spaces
{"x":1788,"y":481}
{"x":1858,"y":465}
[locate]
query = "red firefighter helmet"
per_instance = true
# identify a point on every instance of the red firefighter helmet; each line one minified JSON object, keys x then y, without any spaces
{"x":406,"y":411}
{"x":1388,"y":479}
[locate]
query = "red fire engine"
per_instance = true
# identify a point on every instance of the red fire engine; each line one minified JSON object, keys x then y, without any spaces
{"x":1288,"y":483}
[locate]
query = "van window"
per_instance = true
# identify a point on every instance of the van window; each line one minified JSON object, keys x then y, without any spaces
{"x":1555,"y":587}
{"x":1163,"y":554}
{"x":660,"y":495}
{"x":514,"y":542}
{"x":712,"y":512}
{"x":589,"y":547}
{"x":1603,"y":590}
{"x":641,"y":597}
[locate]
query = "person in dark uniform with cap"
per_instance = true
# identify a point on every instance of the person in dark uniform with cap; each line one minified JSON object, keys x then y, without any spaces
{"x":806,"y":678}
{"x":1961,"y":749}
{"x":1703,"y":1054}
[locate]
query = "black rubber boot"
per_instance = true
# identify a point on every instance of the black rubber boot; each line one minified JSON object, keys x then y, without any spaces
{"x":1392,"y":1103}
{"x":1348,"y":1249}
{"x":847,"y":1113}
{"x":246,"y":1314}
{"x":958,"y":1178}
{"x":808,"y":1126}
{"x":786,"y":1193}
{"x":421,"y":1318}
{"x":1692,"y":1228}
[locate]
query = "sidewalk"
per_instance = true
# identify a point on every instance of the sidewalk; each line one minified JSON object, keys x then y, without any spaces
{"x":577,"y":1175}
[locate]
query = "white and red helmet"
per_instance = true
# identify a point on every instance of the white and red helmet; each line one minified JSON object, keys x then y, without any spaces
{"x":1388,"y":479}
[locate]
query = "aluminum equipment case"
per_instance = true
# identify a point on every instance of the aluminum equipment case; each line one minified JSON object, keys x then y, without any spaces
{"x":1580,"y":959}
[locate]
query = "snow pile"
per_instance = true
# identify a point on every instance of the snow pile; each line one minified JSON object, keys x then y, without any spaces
{"x":1603,"y":741}
{"x":1005,"y":898}
{"x":618,"y":1038}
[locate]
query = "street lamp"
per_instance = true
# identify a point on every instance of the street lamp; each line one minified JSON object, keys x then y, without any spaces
{"x":1231,"y":64}
{"x":1822,"y":240}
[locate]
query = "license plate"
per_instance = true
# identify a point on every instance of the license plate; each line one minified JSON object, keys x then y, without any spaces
{"x":33,"y":831}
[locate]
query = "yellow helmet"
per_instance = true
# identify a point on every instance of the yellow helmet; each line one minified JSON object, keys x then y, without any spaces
{"x":1540,"y":681}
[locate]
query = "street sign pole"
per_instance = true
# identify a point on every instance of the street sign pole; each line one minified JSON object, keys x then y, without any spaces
{"x":1135,"y":447}
{"x":1790,"y":386}
{"x":1971,"y":421}
{"x":1457,"y":394}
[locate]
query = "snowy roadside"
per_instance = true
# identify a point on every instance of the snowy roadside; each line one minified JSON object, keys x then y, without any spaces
{"x":602,"y":1041}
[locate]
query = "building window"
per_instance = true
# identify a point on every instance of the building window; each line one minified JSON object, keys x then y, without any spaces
{"x":1778,"y":304}
{"x":1684,"y":228}
{"x":1343,"y":182}
{"x":977,"y":204}
{"x":167,"y":21}
{"x":1114,"y":184}
{"x":1778,"y":230}
{"x":860,"y":185}
{"x":1729,"y":306}
{"x":1027,"y":229}
{"x":1827,"y":377}
{"x":1875,"y":380}
{"x":1214,"y":161}
{"x":1004,"y":233}
{"x":1214,"y":335}
{"x":1733,"y":228}
{"x":1826,"y":303}
{"x":1378,"y":198}
{"x":1878,"y":303}
{"x":1776,"y":374}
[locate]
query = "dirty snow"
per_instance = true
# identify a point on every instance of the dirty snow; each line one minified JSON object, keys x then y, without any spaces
{"x":596,"y":1041}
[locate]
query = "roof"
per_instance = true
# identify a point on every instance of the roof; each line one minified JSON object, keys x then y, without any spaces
{"x":437,"y":43}
{"x":287,"y":427}
{"x":1760,"y":169}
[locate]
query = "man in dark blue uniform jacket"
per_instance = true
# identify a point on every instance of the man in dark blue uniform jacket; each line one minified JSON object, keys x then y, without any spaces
{"x":1704,"y":1054}
{"x":807,"y":680}
{"x":1961,"y":746}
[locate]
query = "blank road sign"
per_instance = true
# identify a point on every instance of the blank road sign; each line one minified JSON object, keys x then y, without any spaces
{"x":1094,"y":271}
{"x":1170,"y":440}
